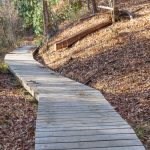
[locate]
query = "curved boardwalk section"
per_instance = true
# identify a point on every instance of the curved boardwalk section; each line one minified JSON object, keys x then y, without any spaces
{"x":71,"y":116}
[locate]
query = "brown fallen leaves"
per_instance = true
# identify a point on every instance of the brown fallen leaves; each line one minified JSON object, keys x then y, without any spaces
{"x":116,"y":61}
{"x":17,"y":115}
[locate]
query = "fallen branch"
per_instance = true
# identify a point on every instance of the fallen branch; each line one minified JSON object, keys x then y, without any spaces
{"x":105,"y":7}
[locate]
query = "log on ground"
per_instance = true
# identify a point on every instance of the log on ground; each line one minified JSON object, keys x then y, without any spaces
{"x":76,"y":37}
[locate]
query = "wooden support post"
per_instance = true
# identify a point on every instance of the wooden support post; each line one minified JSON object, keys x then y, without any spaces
{"x":112,"y":8}
{"x":88,"y":4}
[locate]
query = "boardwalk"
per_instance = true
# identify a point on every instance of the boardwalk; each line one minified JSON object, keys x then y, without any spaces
{"x":71,"y":116}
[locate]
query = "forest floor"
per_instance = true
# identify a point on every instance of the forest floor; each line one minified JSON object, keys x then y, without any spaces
{"x":17,"y":112}
{"x":114,"y":60}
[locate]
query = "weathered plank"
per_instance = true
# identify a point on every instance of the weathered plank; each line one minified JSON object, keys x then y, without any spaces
{"x":85,"y":145}
{"x":85,"y":133}
{"x":118,"y":148}
{"x":79,"y":113}
{"x":90,"y":138}
{"x":74,"y":38}
{"x":78,"y":124}
{"x":44,"y":128}
{"x":45,"y":120}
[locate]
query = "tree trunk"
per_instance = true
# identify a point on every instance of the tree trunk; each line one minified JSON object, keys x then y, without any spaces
{"x":112,"y":3}
{"x":88,"y":4}
{"x":94,"y":6}
{"x":45,"y":17}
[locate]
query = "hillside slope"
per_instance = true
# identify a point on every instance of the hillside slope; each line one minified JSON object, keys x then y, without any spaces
{"x":114,"y":60}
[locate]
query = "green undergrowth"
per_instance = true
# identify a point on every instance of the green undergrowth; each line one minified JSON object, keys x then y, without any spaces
{"x":3,"y":67}
{"x":143,"y":132}
{"x":28,"y":97}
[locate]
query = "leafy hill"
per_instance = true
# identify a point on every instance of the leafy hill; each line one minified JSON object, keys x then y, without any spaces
{"x":114,"y":60}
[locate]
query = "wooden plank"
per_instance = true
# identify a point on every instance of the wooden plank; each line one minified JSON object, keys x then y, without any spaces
{"x":68,"y":109}
{"x":111,"y":148}
{"x":90,"y":138}
{"x":78,"y":104}
{"x":51,"y":120}
{"x":100,"y":122}
{"x":74,"y":38}
{"x":84,"y":133}
{"x":77,"y":113}
{"x":77,"y":107}
{"x":94,"y":144}
{"x":106,"y":148}
{"x":51,"y":108}
{"x":68,"y":97}
{"x":78,"y":124}
{"x":70,"y":92}
{"x":80,"y":115}
{"x":47,"y":128}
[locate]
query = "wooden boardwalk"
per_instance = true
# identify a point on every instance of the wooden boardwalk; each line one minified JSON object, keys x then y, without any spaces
{"x":71,"y":116}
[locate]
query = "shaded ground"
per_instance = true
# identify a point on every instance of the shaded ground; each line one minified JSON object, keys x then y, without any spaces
{"x":115,"y":60}
{"x":17,"y":113}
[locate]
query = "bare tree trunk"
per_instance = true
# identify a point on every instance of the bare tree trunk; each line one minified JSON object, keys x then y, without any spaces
{"x":88,"y":4}
{"x":112,"y":3}
{"x":94,"y":6}
{"x":45,"y":17}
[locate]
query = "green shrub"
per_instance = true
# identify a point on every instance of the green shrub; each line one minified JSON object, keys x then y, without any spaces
{"x":31,"y":13}
{"x":39,"y":42}
{"x":38,"y":20}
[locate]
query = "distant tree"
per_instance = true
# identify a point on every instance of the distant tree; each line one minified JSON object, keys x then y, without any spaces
{"x":31,"y":13}
{"x":94,"y":6}
{"x":45,"y":17}
{"x":9,"y":23}
{"x":88,"y":4}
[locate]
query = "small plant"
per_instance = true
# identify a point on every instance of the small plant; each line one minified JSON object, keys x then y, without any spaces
{"x":3,"y":68}
{"x":143,"y":132}
{"x":76,"y":6}
{"x":39,"y":42}
{"x":38,"y":20}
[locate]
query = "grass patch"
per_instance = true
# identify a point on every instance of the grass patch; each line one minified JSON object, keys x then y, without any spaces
{"x":4,"y":122}
{"x":28,"y":97}
{"x":143,"y":132}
